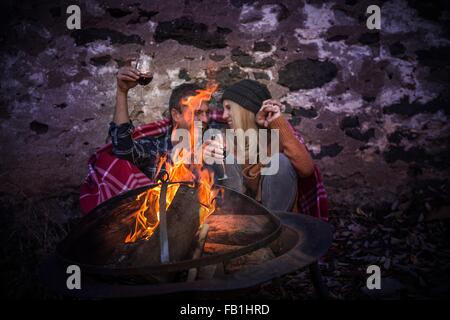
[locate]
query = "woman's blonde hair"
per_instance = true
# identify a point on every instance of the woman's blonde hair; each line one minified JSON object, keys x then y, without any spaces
{"x":242,"y":119}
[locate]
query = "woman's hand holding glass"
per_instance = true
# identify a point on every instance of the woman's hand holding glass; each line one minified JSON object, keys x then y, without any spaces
{"x":214,"y":152}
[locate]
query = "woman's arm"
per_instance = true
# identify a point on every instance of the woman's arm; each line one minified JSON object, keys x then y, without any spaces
{"x":289,"y":144}
{"x":270,"y":116}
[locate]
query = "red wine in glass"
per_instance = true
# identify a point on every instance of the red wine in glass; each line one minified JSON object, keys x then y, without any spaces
{"x":145,"y":79}
{"x":144,"y":65}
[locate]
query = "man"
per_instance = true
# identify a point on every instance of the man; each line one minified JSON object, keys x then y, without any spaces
{"x":130,"y":161}
{"x":145,"y":152}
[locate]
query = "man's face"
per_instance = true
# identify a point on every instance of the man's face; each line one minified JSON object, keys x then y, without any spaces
{"x":227,"y":116}
{"x":185,"y":119}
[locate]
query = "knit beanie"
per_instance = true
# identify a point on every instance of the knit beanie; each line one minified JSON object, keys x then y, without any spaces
{"x":249,"y":94}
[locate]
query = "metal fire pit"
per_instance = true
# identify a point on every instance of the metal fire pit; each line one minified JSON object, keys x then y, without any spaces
{"x":304,"y":239}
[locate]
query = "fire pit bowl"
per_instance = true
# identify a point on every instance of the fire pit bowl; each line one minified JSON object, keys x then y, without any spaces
{"x":297,"y":241}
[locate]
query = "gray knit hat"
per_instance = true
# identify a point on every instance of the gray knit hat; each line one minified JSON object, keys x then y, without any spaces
{"x":250,"y":94}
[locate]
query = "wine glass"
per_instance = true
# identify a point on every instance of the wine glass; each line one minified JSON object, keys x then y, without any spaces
{"x":221,"y":172}
{"x":143,"y":64}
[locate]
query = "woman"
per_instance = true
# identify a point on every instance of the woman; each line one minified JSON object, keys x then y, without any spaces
{"x":248,"y":105}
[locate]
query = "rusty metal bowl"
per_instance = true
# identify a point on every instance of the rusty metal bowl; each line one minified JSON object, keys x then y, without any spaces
{"x":303,"y":239}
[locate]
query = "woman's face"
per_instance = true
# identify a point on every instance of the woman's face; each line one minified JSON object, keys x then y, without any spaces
{"x":227,"y":116}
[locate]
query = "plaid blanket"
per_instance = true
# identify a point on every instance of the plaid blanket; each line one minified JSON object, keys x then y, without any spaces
{"x":312,"y":198}
{"x":109,"y":176}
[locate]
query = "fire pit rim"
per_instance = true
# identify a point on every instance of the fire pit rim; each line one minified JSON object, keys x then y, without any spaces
{"x":52,"y":272}
{"x":178,"y":265}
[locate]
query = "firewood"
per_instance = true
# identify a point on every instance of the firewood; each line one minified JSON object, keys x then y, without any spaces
{"x":229,"y":229}
{"x":192,"y":273}
{"x":99,"y":239}
{"x":210,"y":271}
{"x":214,"y":248}
{"x":182,"y":224}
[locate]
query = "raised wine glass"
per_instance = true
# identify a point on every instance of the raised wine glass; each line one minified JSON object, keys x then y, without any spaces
{"x":144,"y":64}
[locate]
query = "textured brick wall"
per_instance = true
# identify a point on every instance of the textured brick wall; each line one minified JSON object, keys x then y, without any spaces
{"x":372,"y":106}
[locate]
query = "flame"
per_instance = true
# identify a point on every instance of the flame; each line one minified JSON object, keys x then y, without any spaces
{"x":147,"y":216}
{"x":193,"y":103}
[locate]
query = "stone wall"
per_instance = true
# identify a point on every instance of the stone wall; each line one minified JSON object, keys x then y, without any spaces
{"x":372,"y":106}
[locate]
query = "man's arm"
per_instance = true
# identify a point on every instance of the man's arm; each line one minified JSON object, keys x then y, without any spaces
{"x":121,"y":109}
{"x":125,"y":147}
{"x":121,"y":128}
{"x":126,"y":79}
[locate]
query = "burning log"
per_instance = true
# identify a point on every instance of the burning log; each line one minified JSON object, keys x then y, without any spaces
{"x":182,"y":224}
{"x":105,"y":245}
{"x":192,"y":273}
{"x":237,"y":264}
{"x":213,"y":248}
{"x":229,"y":232}
{"x":228,"y":228}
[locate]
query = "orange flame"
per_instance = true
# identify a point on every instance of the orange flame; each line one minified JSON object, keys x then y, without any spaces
{"x":192,"y":104}
{"x":147,"y":217}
